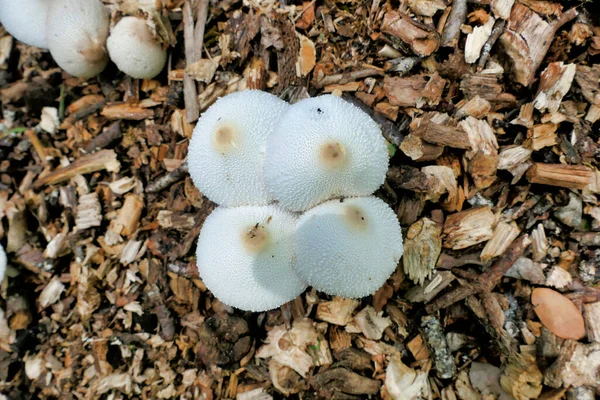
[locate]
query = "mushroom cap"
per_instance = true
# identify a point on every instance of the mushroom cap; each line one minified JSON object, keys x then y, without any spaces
{"x":227,"y":149}
{"x":77,"y":32}
{"x":245,"y":257}
{"x":134,"y":50}
{"x":23,"y":19}
{"x":3,"y":262}
{"x":321,"y":148}
{"x":348,"y":248}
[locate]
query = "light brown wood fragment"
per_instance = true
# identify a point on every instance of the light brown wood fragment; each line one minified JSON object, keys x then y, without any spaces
{"x":527,"y":38}
{"x":444,"y":182}
{"x":511,"y":157}
{"x":431,"y":287}
{"x":555,"y":82}
{"x":414,"y":91}
{"x":127,"y":112}
{"x":422,"y":39}
{"x":371,"y":323}
{"x":418,"y":348}
{"x":307,"y":57}
{"x":525,"y":117}
{"x":501,"y":8}
{"x":539,"y":243}
{"x":422,"y":248}
{"x":593,"y":114}
{"x":560,"y":175}
{"x":102,"y":160}
{"x":476,"y":107}
{"x":419,"y":150}
{"x":89,"y":212}
{"x":129,"y":215}
{"x":587,"y":78}
{"x":468,"y":228}
{"x":542,"y":135}
{"x":256,"y":74}
{"x":337,"y":311}
{"x":39,"y":148}
{"x":442,"y":134}
{"x":487,"y":87}
{"x":203,"y":70}
{"x":387,"y":110}
{"x":504,"y":235}
{"x":426,"y":8}
{"x":482,"y":158}
{"x":343,"y":87}
{"x":591,"y":313}
{"x":522,"y":380}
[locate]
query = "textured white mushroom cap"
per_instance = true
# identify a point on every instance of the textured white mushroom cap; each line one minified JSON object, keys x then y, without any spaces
{"x":324,"y":147}
{"x":25,"y":20}
{"x":134,"y":50}
{"x":77,"y":32}
{"x":3,"y":262}
{"x":227,"y":149}
{"x":348,"y":248}
{"x":245,"y":257}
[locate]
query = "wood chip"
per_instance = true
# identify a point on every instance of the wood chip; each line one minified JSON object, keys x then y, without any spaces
{"x":468,"y":228}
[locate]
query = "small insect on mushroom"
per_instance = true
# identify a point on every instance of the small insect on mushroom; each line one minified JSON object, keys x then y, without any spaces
{"x":348,"y":248}
{"x":226,"y":152}
{"x":134,"y":50}
{"x":25,"y":20}
{"x":321,"y":148}
{"x":77,"y":32}
{"x":245,"y":257}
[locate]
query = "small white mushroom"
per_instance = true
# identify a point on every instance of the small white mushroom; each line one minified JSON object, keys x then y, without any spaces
{"x":324,"y":147}
{"x":227,"y":149}
{"x":25,"y":20}
{"x":3,"y":262}
{"x":245,"y":257}
{"x":134,"y":50}
{"x":77,"y":32}
{"x":348,"y":247}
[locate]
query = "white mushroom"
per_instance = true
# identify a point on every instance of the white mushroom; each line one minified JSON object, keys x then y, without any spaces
{"x":321,"y":148}
{"x":226,"y":152}
{"x":77,"y":32}
{"x":134,"y":50}
{"x":25,"y":20}
{"x":3,"y":262}
{"x":245,"y":257}
{"x":348,"y":247}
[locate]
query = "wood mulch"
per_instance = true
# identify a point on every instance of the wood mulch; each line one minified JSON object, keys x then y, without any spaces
{"x":492,"y":113}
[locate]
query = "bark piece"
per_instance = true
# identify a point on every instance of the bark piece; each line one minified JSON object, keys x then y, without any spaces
{"x":487,"y":87}
{"x":504,"y":235}
{"x":338,"y":311}
{"x":442,"y":134}
{"x":526,"y":269}
{"x":558,"y":313}
{"x":555,"y":82}
{"x":482,"y":160}
{"x":588,"y":79}
{"x":419,"y":150}
{"x":542,"y":135}
{"x":468,"y":228}
{"x":414,"y":91}
{"x":127,"y":111}
{"x":591,"y":313}
{"x":89,"y":212}
{"x":436,"y":341}
{"x":476,"y":107}
{"x":560,"y":175}
{"x":421,"y":250}
{"x":102,"y":160}
{"x":422,"y":39}
{"x":222,"y":339}
{"x":577,"y":365}
{"x":456,"y":18}
{"x":336,"y":380}
{"x":430,"y":288}
{"x":129,"y":215}
{"x":527,"y":39}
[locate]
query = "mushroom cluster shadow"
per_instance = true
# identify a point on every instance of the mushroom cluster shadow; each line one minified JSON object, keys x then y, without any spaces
{"x":294,"y":186}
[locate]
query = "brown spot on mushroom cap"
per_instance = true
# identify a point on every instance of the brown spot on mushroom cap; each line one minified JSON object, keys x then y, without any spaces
{"x":255,"y":238}
{"x":332,"y":154}
{"x":93,"y":52}
{"x":356,"y":218}
{"x":225,"y":137}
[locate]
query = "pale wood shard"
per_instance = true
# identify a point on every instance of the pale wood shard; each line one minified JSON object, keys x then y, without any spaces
{"x":542,"y":135}
{"x":127,"y":112}
{"x":527,"y":269}
{"x":476,"y":107}
{"x":402,"y":382}
{"x":203,"y":70}
{"x":558,"y":278}
{"x":504,"y":235}
{"x":560,"y":175}
{"x":176,"y":220}
{"x":320,"y":82}
{"x":522,"y":378}
{"x":307,"y":56}
{"x":126,"y":222}
{"x":431,"y":287}
{"x":482,"y":159}
{"x":102,"y":160}
{"x":444,"y":182}
{"x":539,"y":243}
{"x":419,"y":150}
{"x":190,"y":93}
{"x":591,"y":314}
{"x":422,"y":39}
{"x":527,"y":39}
{"x":555,"y":82}
{"x":525,"y":117}
{"x":578,"y":365}
{"x":337,"y":311}
{"x":426,"y":8}
{"x":372,"y":324}
{"x":256,"y":74}
{"x":501,"y":8}
{"x":477,"y":39}
{"x":422,"y":248}
{"x":468,"y":228}
{"x":89,"y":212}
{"x":511,"y":158}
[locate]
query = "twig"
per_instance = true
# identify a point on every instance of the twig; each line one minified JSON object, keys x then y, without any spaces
{"x":109,"y":135}
{"x":487,"y":280}
{"x":168,"y":179}
{"x":347,"y":77}
{"x":487,"y":47}
{"x":455,"y":20}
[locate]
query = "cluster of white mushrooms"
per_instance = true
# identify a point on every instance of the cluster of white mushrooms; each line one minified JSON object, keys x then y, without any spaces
{"x":294,"y":184}
{"x":78,"y":35}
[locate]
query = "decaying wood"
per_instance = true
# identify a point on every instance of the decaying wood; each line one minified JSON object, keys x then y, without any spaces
{"x":422,"y":249}
{"x":527,"y":38}
{"x":420,"y":38}
{"x":468,"y":228}
{"x":102,"y":160}
{"x":566,"y":176}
